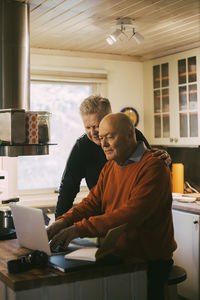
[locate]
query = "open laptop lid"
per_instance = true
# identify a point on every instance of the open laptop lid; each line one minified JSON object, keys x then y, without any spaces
{"x":30,"y":228}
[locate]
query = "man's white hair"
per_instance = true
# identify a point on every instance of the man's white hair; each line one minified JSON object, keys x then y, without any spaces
{"x":95,"y":104}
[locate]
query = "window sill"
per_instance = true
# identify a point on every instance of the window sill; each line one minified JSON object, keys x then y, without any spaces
{"x":39,"y":200}
{"x":47,"y":198}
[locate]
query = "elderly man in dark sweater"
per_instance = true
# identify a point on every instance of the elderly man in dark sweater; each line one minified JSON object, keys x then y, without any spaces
{"x":87,"y":158}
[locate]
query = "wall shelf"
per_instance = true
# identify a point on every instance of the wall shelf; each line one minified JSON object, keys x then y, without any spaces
{"x":24,"y":149}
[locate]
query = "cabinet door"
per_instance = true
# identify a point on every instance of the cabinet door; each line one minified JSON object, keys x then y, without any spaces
{"x":186,"y":229}
{"x":188,"y":109}
{"x":161,"y":100}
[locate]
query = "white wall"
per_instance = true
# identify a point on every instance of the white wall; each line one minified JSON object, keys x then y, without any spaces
{"x":125,"y":78}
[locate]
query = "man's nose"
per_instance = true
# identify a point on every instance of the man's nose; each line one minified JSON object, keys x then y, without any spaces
{"x":94,"y":131}
{"x":104,"y":143}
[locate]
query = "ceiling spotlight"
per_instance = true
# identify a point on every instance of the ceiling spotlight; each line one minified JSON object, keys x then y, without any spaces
{"x":113,"y":37}
{"x":124,"y":26}
{"x":109,"y":40}
{"x":138,"y":37}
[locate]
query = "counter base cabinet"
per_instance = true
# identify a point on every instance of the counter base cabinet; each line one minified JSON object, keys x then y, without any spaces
{"x":119,"y":287}
{"x":187,"y":255}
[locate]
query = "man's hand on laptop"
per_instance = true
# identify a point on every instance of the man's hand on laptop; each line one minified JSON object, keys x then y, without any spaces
{"x":54,"y":228}
{"x":64,"y":237}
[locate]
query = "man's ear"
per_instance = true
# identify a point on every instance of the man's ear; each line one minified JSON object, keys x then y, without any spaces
{"x":131,"y":133}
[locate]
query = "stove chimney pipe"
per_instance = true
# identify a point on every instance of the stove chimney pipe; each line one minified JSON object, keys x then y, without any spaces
{"x":14,"y":55}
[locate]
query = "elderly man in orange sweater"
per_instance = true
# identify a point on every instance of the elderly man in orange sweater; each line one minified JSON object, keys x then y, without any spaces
{"x":134,"y":188}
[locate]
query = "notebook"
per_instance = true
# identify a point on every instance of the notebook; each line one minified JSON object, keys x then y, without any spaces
{"x":62,"y":264}
{"x":94,"y":253}
{"x":89,"y":256}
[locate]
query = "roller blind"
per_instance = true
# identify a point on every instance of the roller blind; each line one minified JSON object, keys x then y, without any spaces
{"x":68,"y":74}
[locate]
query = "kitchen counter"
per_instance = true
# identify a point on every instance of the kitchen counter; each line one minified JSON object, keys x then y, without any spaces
{"x":38,"y":282}
{"x":193,"y":207}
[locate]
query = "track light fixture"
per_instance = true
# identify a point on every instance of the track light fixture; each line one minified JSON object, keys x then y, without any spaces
{"x":124,"y":26}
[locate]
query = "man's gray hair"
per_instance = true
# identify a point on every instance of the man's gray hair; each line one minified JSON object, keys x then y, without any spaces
{"x":95,"y":104}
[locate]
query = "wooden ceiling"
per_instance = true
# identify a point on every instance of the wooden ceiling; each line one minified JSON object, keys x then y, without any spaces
{"x":168,"y":26}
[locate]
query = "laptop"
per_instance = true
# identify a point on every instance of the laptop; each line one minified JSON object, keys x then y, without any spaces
{"x":31,"y":233}
{"x":30,"y":228}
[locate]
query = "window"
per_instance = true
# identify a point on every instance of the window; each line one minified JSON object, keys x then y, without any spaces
{"x":62,"y":100}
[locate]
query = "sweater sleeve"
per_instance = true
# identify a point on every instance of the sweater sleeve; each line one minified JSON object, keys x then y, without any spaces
{"x":71,"y":179}
{"x":150,"y":194}
{"x":89,"y":206}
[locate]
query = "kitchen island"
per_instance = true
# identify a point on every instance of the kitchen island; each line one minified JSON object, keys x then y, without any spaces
{"x":119,"y":281}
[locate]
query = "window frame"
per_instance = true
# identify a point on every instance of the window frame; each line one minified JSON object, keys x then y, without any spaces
{"x":9,"y":164}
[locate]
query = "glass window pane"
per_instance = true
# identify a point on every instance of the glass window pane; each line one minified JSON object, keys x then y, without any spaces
{"x":63,"y":101}
{"x":182,"y":71}
{"x":156,"y":76}
{"x":165,"y":100}
{"x":165,"y":78}
{"x":192,"y":72}
{"x":165,"y":125}
{"x":157,"y":122}
{"x":193,"y":124}
{"x":183,"y":125}
{"x":183,"y":98}
{"x":157,"y":108}
{"x":193,"y":96}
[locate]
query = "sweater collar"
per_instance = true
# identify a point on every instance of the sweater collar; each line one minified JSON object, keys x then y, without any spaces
{"x":137,"y":154}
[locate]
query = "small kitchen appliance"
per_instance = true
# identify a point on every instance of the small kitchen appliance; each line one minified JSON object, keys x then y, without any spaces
{"x":7,"y":230}
{"x":12,"y":126}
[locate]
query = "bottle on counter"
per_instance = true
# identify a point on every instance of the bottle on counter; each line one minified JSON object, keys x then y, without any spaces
{"x":178,"y":178}
{"x":43,"y":127}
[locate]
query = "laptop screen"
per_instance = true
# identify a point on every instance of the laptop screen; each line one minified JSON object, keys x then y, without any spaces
{"x":30,"y":228}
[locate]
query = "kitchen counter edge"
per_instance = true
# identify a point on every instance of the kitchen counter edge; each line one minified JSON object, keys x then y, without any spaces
{"x":193,"y":207}
{"x":36,"y":278}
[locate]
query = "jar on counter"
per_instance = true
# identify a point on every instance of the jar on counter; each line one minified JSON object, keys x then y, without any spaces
{"x":43,"y":127}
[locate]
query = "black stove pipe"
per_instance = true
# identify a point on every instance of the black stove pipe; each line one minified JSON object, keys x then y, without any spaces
{"x":14,"y":55}
{"x":15,"y":68}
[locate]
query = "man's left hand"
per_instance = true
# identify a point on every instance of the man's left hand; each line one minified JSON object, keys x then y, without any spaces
{"x":64,"y":237}
{"x":162,"y":154}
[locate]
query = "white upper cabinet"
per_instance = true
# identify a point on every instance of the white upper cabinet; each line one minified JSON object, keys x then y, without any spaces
{"x":161,"y":100}
{"x":171,"y":94}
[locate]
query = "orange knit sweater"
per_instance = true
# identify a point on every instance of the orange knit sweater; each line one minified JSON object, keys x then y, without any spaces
{"x":138,"y":194}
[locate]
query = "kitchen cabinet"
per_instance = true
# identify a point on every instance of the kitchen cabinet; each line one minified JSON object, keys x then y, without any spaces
{"x":187,"y":255}
{"x":172,"y":96}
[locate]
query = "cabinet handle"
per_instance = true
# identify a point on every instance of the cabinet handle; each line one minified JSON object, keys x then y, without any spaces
{"x":175,"y":140}
{"x":171,"y":140}
{"x":195,"y":222}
